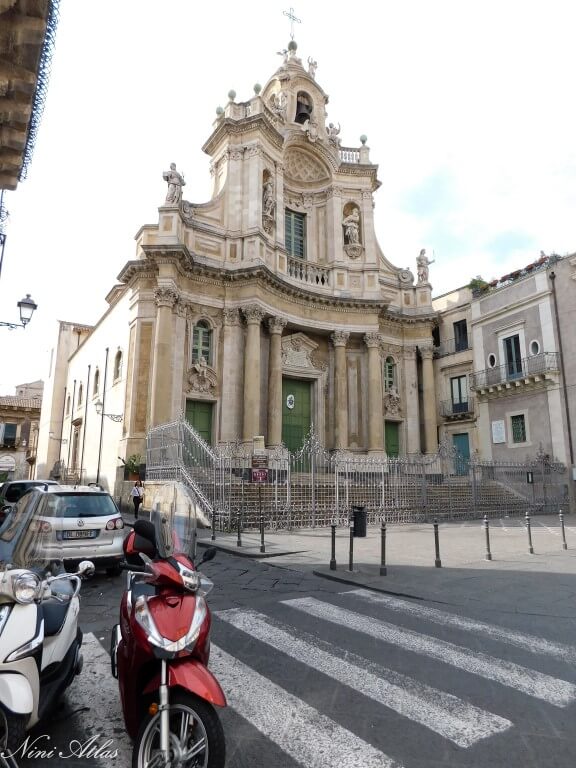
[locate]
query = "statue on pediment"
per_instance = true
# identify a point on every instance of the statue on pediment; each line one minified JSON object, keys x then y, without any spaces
{"x":175,"y":182}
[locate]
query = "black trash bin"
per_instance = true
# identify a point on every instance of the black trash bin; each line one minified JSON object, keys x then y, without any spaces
{"x":359,"y":515}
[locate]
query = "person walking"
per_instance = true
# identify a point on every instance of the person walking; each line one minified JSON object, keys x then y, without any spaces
{"x":137,"y":494}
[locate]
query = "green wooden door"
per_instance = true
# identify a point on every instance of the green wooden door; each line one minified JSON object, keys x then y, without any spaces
{"x":461,"y":443}
{"x":295,"y":412}
{"x":392,"y":438}
{"x":199,"y":415}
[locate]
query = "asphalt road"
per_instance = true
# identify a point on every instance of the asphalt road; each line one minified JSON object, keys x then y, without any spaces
{"x":321,"y":675}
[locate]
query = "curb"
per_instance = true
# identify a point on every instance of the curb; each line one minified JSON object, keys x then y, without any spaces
{"x":239,"y":553}
{"x":351,"y":582}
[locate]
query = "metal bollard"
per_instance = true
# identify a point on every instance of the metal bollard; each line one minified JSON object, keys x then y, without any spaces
{"x":262,"y":547}
{"x":351,"y":552}
{"x":564,"y":544}
{"x":333,"y":554}
{"x":213,"y":534}
{"x":383,"y":549}
{"x":437,"y":561}
{"x":529,"y":529}
{"x":487,"y":530}
{"x":239,"y":530}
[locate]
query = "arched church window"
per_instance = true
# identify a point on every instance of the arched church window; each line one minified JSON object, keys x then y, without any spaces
{"x":202,"y":342}
{"x":80,"y":395}
{"x":118,"y":366}
{"x":295,"y":233}
{"x":390,"y":381}
{"x":303,"y":107}
{"x":96,"y":387}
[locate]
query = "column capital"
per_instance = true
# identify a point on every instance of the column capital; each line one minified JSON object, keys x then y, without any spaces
{"x":427,"y":353}
{"x":372,"y":340}
{"x":253,"y":314}
{"x":231,"y":316}
{"x":277,"y":324}
{"x":340,"y":338}
{"x":409,"y":353}
{"x":166,"y":296}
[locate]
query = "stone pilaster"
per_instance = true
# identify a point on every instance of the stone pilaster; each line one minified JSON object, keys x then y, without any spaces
{"x":375,"y":409}
{"x":166,"y":297}
{"x":412,"y":403}
{"x":231,"y":381}
{"x":251,"y":414}
{"x":276,"y":326}
{"x":429,"y":400}
{"x":340,"y":339}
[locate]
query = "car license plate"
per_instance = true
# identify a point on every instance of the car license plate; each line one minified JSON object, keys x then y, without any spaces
{"x":79,"y":534}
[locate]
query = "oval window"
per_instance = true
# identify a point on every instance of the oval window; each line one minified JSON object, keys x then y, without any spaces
{"x":534,"y":348}
{"x":491,"y":360}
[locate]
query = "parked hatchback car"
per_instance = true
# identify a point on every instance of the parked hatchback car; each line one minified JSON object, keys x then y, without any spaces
{"x":78,"y":523}
{"x":13,"y":490}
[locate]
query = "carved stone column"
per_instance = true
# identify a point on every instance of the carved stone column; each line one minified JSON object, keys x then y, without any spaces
{"x":276,"y":326}
{"x":429,"y":400}
{"x":251,"y":418}
{"x":231,"y":378}
{"x":412,"y":405}
{"x":162,"y":368}
{"x":375,"y":410}
{"x":340,"y":339}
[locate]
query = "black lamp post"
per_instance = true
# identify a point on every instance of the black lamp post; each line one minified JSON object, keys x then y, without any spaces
{"x":26,"y":308}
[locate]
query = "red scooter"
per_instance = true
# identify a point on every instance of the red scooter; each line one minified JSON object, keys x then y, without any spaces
{"x":160,"y":649}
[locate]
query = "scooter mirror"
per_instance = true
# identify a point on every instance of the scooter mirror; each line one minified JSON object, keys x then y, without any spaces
{"x":209,"y":554}
{"x":86,"y":568}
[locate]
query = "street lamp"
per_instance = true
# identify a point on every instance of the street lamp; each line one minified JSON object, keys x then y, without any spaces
{"x":26,"y":308}
{"x":113,"y":416}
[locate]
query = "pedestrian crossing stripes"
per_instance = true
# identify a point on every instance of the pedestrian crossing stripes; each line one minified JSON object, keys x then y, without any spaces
{"x":308,"y":736}
{"x":443,"y":713}
{"x":520,"y":640}
{"x":306,"y":724}
{"x":557,"y":692}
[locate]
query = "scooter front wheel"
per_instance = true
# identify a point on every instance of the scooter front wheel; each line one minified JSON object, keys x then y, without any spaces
{"x":196,"y":736}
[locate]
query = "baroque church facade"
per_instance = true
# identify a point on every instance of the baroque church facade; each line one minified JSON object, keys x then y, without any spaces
{"x":267,"y":310}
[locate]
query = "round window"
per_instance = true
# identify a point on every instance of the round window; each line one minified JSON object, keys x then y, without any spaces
{"x":534,"y":348}
{"x":491,"y":360}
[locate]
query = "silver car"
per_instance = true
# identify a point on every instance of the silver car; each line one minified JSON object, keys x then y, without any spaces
{"x":80,"y":523}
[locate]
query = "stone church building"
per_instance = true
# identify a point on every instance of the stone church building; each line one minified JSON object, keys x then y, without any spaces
{"x":263,"y":311}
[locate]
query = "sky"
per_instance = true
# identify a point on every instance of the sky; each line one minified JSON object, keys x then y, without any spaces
{"x":468,"y":108}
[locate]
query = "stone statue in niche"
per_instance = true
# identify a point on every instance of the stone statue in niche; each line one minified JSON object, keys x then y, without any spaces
{"x":352,"y":228}
{"x":422,"y":265}
{"x":333,"y":132}
{"x":268,"y":205}
{"x":175,"y":183}
{"x":312,"y":64}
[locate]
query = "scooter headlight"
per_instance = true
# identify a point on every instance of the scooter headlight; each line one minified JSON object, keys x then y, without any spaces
{"x":144,"y":618}
{"x":26,"y":587}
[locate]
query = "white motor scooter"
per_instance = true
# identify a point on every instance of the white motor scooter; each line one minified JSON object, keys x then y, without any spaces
{"x":39,"y":635}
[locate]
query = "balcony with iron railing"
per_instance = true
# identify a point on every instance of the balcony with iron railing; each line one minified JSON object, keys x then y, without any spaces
{"x":455,"y":411}
{"x":516,"y":373}
{"x":452,"y":347}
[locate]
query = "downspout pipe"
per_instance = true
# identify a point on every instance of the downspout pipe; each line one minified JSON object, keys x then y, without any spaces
{"x":552,"y":276}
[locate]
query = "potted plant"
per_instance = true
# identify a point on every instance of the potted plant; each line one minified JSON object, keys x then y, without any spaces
{"x":133,"y":466}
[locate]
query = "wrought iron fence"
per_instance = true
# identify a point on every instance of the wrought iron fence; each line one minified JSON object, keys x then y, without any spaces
{"x":315,"y":487}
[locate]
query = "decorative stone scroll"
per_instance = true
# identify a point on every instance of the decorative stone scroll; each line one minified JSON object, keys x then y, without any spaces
{"x":392,"y":401}
{"x":202,"y":378}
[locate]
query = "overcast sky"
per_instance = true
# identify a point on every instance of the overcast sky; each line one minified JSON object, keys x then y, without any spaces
{"x":468,"y":107}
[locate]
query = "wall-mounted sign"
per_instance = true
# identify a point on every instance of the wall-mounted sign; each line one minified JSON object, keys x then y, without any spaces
{"x":259,"y":462}
{"x":498,"y":431}
{"x":290,"y":402}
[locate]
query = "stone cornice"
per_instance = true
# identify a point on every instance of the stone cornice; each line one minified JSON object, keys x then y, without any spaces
{"x":228,"y":127}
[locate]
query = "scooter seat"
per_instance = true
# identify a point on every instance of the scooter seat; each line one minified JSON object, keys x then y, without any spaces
{"x":54,"y":613}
